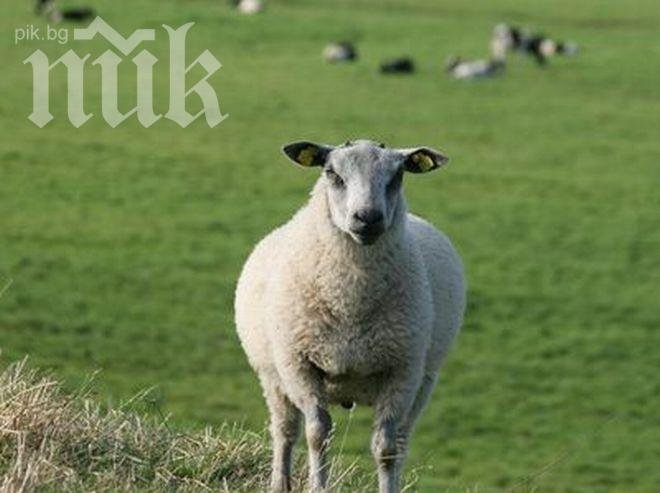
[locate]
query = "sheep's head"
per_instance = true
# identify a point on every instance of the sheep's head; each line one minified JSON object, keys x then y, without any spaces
{"x":363,"y":181}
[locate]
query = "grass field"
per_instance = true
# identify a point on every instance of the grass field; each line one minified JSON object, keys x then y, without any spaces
{"x":60,"y":441}
{"x":123,"y":245}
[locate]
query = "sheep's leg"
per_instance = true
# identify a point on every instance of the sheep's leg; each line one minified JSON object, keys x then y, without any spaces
{"x":403,"y":436}
{"x":284,"y":430}
{"x":385,"y":451}
{"x":422,"y":397}
{"x":388,"y":445}
{"x":318,"y":426}
{"x":305,"y":389}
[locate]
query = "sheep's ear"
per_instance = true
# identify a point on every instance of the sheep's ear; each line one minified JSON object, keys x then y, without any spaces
{"x":307,"y":153}
{"x":422,"y":159}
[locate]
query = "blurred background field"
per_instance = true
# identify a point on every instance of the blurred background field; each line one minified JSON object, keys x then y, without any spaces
{"x":123,"y":245}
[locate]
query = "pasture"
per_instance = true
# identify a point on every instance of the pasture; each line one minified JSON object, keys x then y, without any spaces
{"x":120,"y":248}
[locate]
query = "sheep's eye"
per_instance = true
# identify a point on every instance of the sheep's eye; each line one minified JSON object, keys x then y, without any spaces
{"x":395,"y":181}
{"x":334,"y":178}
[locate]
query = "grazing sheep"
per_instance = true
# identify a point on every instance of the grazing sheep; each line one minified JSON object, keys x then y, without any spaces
{"x":474,"y":69}
{"x":249,"y":7}
{"x":403,"y":65}
{"x":49,"y":9}
{"x":354,"y":300}
{"x":509,"y":38}
{"x":340,"y":52}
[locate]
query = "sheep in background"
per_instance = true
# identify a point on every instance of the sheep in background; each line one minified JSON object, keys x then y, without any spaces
{"x":474,"y":69}
{"x":403,"y":65}
{"x":49,"y":9}
{"x":508,"y":38}
{"x":354,"y":300}
{"x":339,"y":52}
{"x":248,"y":7}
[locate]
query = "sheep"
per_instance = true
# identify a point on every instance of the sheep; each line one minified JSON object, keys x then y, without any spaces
{"x":509,"y":38}
{"x":402,"y":65}
{"x":249,"y":7}
{"x":56,"y":15}
{"x":474,"y":69}
{"x":343,"y":51}
{"x":353,"y":300}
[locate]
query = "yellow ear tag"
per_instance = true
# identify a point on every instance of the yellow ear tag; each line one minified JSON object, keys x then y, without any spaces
{"x":306,"y":156}
{"x":424,"y":162}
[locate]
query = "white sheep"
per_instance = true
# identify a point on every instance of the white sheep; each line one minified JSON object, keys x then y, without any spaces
{"x":474,"y":69}
{"x":249,"y":7}
{"x":343,"y":51}
{"x":352,"y":301}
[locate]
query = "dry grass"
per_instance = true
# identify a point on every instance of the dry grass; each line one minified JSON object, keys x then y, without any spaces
{"x":54,"y":441}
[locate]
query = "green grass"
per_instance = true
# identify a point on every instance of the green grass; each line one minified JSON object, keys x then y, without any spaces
{"x":124,"y":244}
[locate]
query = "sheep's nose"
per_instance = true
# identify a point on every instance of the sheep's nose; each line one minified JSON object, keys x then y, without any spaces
{"x":368,"y":217}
